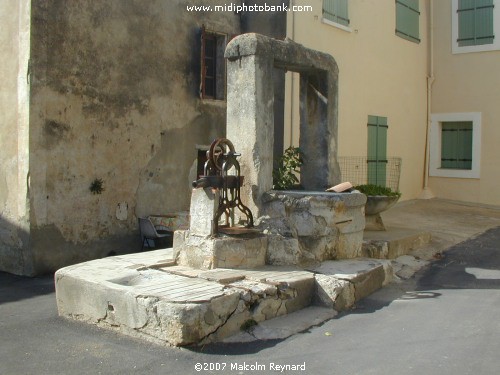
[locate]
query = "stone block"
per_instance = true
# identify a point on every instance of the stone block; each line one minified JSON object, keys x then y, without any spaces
{"x":322,"y":247}
{"x":393,"y":243}
{"x":283,"y":251}
{"x":240,"y":252}
{"x":332,"y":292}
{"x":223,"y":252}
{"x":368,"y":282}
{"x":204,"y":205}
{"x":194,"y":251}
{"x":375,"y":249}
{"x":349,"y":245}
{"x":366,"y":275}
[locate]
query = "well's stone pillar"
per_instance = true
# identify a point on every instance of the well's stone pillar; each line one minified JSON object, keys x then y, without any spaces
{"x":250,"y":123}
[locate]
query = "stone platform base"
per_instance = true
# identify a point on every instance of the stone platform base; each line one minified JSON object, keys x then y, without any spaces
{"x":147,"y":296}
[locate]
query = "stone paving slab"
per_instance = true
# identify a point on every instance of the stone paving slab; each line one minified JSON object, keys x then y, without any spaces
{"x":181,"y":271}
{"x":285,"y":326}
{"x":154,"y":258}
{"x":363,"y":277}
{"x":223,"y":275}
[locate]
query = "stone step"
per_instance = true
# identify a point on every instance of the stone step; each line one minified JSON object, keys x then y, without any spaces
{"x":340,"y":283}
{"x":144,"y":295}
{"x":393,"y":243}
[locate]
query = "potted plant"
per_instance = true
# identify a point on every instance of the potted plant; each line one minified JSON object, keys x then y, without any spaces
{"x":379,"y":199}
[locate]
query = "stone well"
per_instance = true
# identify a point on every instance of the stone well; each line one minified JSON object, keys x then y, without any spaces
{"x":305,"y":225}
{"x":298,"y":227}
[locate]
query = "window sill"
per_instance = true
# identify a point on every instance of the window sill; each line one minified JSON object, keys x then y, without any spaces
{"x":336,"y":25}
{"x":221,"y":103}
{"x":454,"y":173}
{"x":456,"y":50}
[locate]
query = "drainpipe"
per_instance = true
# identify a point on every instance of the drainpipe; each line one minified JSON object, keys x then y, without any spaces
{"x":292,"y":84}
{"x":426,"y":192}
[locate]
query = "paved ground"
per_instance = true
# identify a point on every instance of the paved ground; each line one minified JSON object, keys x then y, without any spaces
{"x":442,"y":321}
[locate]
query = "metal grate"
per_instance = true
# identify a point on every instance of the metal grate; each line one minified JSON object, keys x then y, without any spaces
{"x":355,"y":170}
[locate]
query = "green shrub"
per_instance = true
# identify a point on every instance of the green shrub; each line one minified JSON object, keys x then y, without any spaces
{"x":371,"y":189}
{"x":285,"y":174}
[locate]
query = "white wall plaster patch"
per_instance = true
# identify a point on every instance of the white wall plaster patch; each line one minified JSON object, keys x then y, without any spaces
{"x":122,"y":211}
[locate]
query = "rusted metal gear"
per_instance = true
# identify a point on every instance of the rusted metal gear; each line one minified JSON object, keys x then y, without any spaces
{"x":221,"y":161}
{"x":221,"y":146}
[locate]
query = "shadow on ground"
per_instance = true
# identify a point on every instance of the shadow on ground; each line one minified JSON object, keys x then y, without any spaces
{"x":472,"y":264}
{"x":15,"y":288}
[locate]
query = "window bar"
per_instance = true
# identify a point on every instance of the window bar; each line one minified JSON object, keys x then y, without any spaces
{"x":407,"y":35}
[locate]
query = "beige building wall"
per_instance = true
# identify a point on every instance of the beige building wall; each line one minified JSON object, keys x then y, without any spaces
{"x":14,"y":124}
{"x":380,"y":74}
{"x":467,"y":83}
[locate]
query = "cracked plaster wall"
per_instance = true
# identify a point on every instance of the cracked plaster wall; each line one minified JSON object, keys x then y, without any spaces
{"x":113,"y":94}
{"x":114,"y":97}
{"x":14,"y":102}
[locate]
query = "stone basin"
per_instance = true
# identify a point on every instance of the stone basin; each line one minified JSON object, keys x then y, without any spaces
{"x":313,"y":225}
{"x":375,"y":204}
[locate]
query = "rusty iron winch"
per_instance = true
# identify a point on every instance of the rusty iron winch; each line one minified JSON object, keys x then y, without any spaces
{"x":221,"y":161}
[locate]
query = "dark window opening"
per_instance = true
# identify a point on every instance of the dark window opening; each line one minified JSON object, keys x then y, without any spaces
{"x":213,"y":65}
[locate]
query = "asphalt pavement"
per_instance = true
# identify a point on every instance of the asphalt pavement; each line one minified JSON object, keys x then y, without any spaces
{"x":444,"y":320}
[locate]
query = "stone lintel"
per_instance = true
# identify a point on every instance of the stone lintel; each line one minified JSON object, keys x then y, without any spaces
{"x":286,"y":54}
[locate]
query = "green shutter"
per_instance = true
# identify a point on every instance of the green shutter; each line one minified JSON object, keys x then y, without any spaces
{"x":377,"y":150}
{"x":407,"y":19}
{"x":456,"y":145}
{"x":336,"y":11}
{"x":475,"y":22}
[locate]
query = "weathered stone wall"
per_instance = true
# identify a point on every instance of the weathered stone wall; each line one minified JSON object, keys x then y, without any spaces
{"x":312,"y":226}
{"x":115,"y":97}
{"x":14,"y":89}
{"x":112,"y":96}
